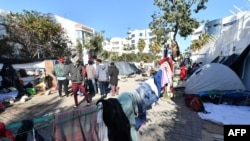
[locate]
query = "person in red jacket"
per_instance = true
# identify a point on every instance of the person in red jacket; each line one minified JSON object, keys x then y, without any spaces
{"x":183,"y":72}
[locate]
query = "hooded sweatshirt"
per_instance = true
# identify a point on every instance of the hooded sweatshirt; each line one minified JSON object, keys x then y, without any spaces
{"x":101,"y":72}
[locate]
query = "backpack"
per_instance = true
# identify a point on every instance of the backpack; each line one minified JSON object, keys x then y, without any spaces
{"x":196,"y":104}
{"x":59,"y":70}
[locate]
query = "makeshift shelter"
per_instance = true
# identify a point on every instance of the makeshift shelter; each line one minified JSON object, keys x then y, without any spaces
{"x":18,"y":77}
{"x":213,"y":76}
{"x":125,"y":68}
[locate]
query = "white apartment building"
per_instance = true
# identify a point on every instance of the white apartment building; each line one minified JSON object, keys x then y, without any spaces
{"x":145,"y":34}
{"x":74,"y":30}
{"x":115,"y":44}
{"x":118,"y":44}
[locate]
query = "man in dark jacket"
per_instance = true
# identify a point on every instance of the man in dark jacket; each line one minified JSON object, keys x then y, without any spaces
{"x":76,"y":75}
{"x":113,"y":73}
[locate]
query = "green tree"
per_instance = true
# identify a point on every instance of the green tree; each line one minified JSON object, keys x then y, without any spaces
{"x":95,"y":44}
{"x":155,"y":46}
{"x":141,"y":44}
{"x":175,"y":16}
{"x":34,"y":34}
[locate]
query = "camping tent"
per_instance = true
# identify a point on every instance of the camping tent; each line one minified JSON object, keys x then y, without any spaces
{"x":125,"y":68}
{"x":240,"y":64}
{"x":213,"y":76}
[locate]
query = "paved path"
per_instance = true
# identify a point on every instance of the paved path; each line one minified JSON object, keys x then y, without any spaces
{"x":168,"y":120}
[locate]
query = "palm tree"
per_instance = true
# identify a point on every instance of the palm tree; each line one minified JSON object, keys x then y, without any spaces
{"x":141,"y":44}
{"x":155,"y":46}
{"x":197,"y":44}
{"x":94,"y":45}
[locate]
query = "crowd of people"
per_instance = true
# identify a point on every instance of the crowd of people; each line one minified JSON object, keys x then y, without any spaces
{"x":85,"y":78}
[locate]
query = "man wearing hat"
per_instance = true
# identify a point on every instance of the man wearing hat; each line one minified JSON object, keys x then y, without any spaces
{"x":59,"y":72}
{"x":75,"y":73}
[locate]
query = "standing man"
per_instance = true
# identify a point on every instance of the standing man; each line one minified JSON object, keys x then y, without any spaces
{"x":59,"y":71}
{"x":76,"y":75}
{"x":102,"y":77}
{"x":113,"y":73}
{"x":91,"y":75}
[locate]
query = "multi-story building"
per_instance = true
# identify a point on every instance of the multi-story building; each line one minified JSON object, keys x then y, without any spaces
{"x":74,"y":30}
{"x":226,"y":37}
{"x":120,"y":45}
{"x":135,"y":35}
{"x":115,"y":44}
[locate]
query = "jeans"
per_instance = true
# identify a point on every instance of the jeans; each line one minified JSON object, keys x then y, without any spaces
{"x":102,"y":86}
{"x":147,"y":95}
{"x":63,"y":83}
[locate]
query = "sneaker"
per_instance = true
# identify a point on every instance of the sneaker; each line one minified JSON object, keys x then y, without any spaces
{"x":88,"y":104}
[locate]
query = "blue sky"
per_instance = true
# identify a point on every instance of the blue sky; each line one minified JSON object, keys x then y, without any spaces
{"x":116,"y":16}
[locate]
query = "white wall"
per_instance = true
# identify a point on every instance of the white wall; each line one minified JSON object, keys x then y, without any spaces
{"x":236,"y":36}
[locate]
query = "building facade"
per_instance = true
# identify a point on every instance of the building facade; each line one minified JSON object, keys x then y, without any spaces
{"x":230,"y":35}
{"x":121,"y":45}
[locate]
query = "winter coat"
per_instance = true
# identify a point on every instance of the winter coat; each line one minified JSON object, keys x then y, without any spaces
{"x":74,"y":73}
{"x":113,"y":73}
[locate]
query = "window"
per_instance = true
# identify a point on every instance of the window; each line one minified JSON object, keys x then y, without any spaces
{"x":133,"y":35}
{"x":230,"y":23}
{"x":150,"y":34}
{"x":79,"y":34}
{"x":141,"y":34}
{"x":216,"y":25}
{"x":115,"y":43}
{"x":132,"y":41}
{"x":150,"y":41}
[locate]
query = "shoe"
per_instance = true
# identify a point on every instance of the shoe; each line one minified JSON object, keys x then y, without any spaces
{"x":88,"y":104}
{"x":75,"y":106}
